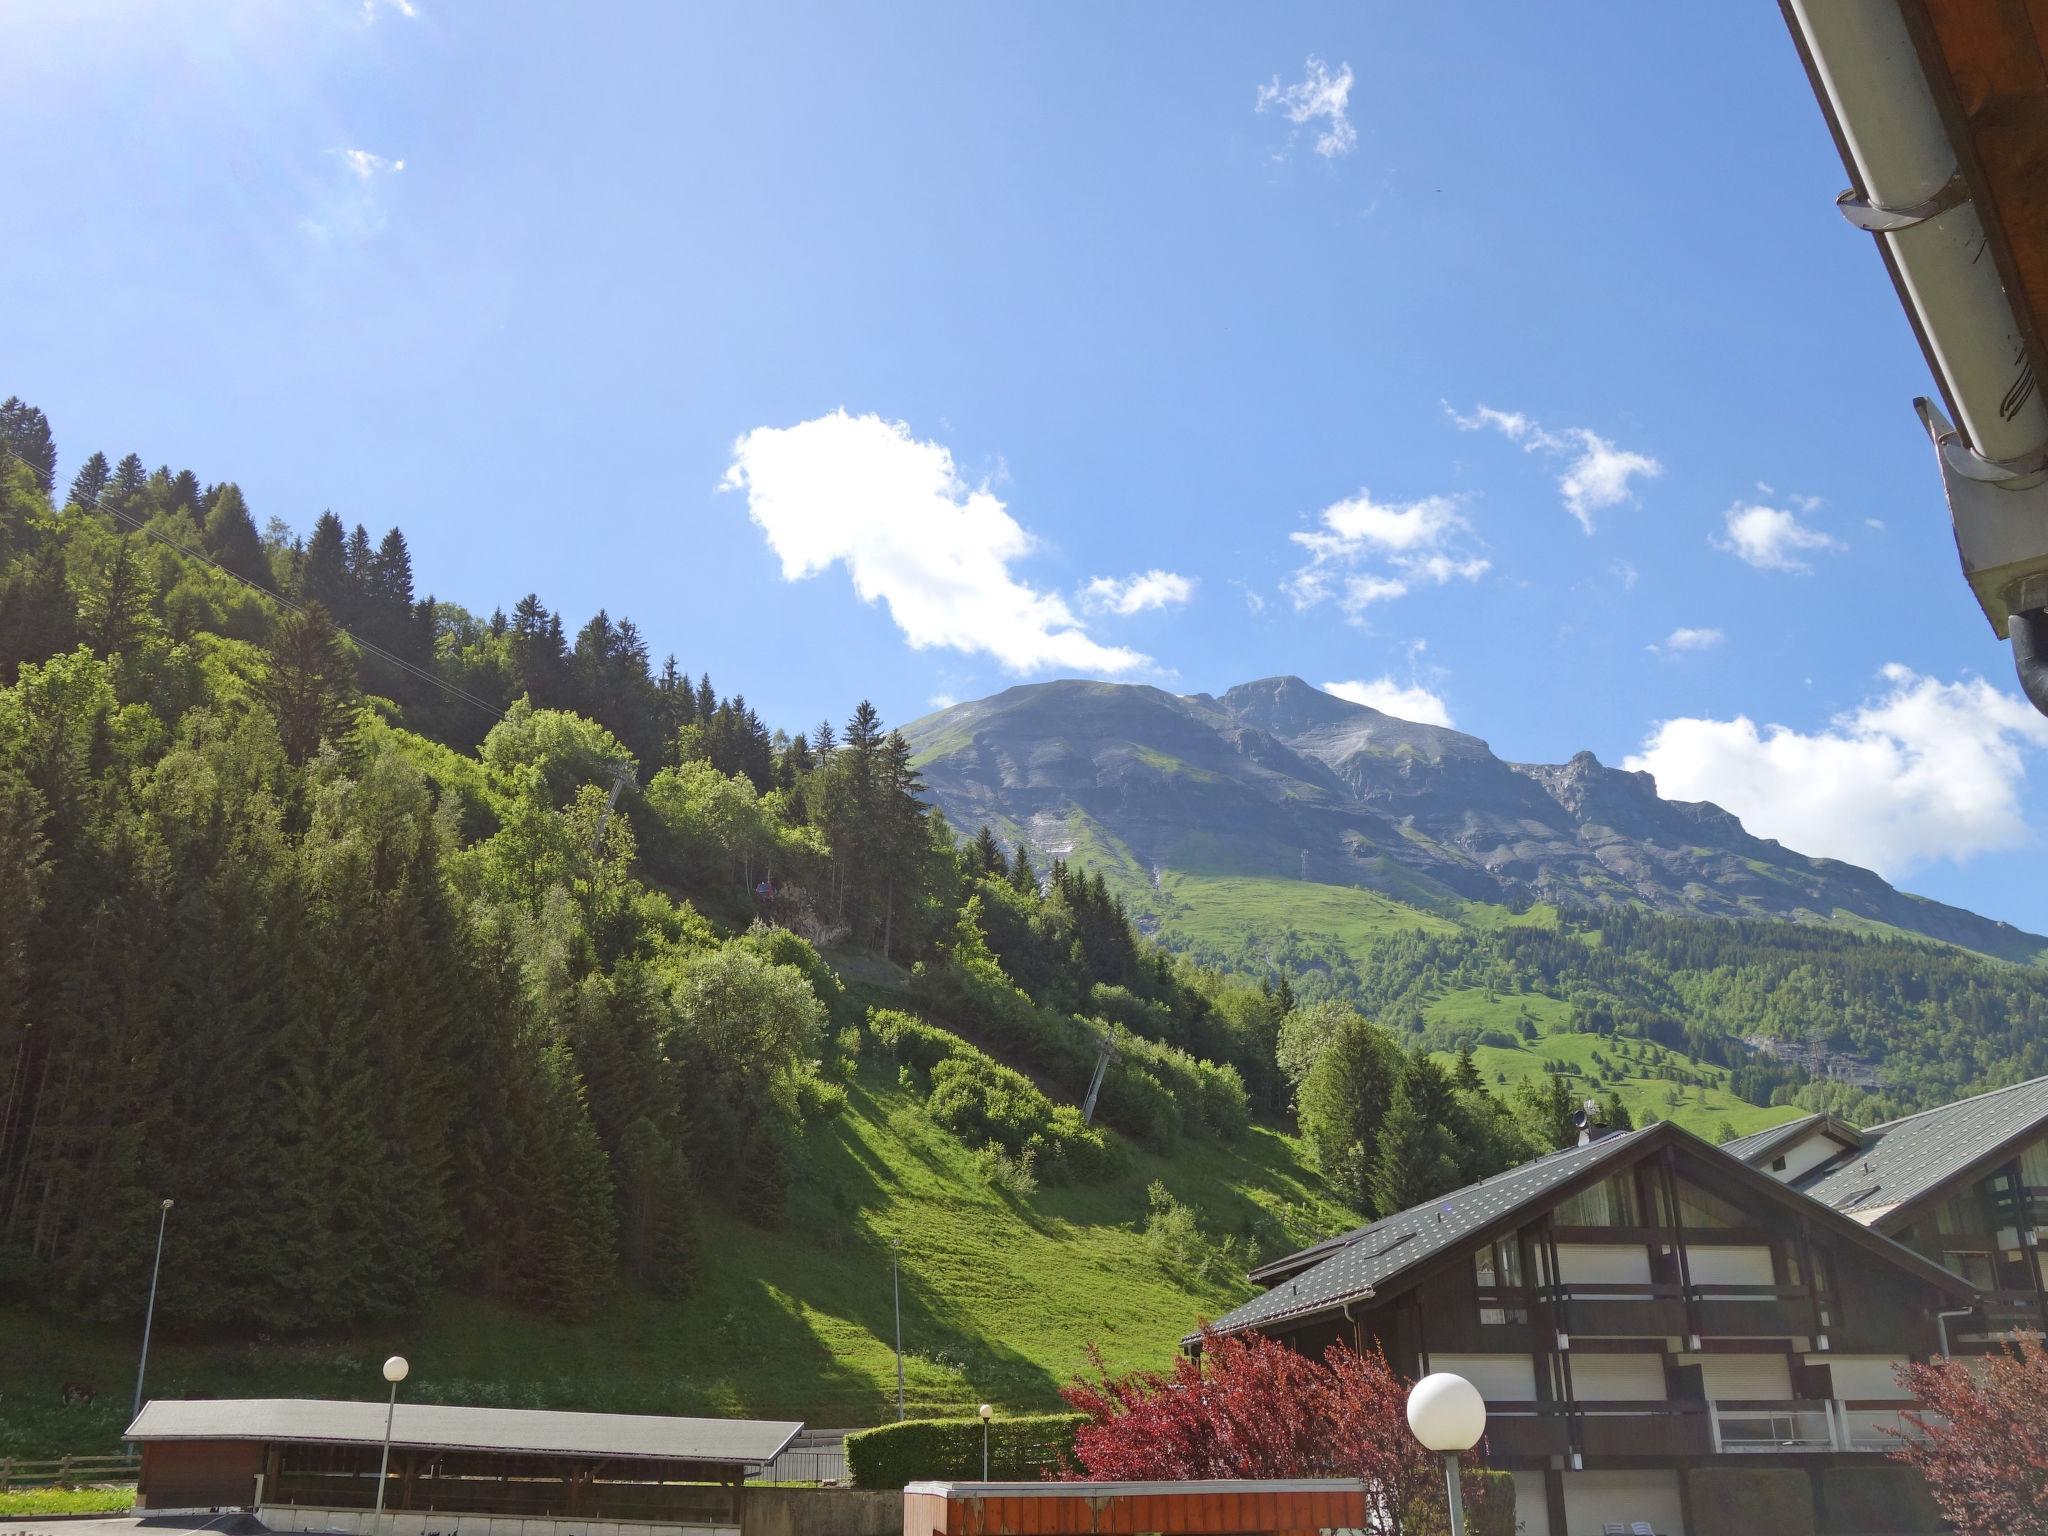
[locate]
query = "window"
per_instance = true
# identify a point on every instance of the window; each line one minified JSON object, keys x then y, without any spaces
{"x":1778,"y":1164}
{"x":1697,"y":1208}
{"x":2034,"y":1164}
{"x":1973,"y":1267}
{"x":1960,"y":1213}
{"x":1499,"y":1265}
{"x":1610,"y":1203}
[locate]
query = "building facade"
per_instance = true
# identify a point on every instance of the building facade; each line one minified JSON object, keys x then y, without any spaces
{"x":1965,"y":1185}
{"x":1637,"y":1310}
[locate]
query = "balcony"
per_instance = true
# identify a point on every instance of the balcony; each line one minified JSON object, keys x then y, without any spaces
{"x":1753,"y":1311}
{"x":1874,"y":1424}
{"x":1602,"y":1309}
{"x":1611,"y":1430}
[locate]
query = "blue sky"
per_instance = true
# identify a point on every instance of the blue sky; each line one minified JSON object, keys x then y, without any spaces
{"x":1507,"y":362}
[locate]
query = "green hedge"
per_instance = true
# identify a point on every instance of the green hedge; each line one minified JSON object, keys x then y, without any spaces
{"x":1019,"y":1450}
{"x":1761,"y":1501}
{"x":1880,"y":1500}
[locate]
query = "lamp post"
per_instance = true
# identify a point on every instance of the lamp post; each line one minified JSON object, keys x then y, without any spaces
{"x":987,"y":1413}
{"x":1448,"y":1415}
{"x":896,"y":1300}
{"x":394,"y":1372}
{"x":163,"y":1221}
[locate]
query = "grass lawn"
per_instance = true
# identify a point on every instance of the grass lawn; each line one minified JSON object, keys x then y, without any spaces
{"x":1001,"y":1298}
{"x":1225,"y":909}
{"x":108,"y":1498}
{"x":1702,"y":1110}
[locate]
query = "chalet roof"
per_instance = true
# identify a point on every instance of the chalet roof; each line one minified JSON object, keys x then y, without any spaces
{"x":1759,"y":1147}
{"x":1903,"y":1160}
{"x":1367,"y":1262}
{"x":1362,"y":1261}
{"x":303,"y":1420}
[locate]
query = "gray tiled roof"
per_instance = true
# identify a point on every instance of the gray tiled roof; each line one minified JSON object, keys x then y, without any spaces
{"x":1902,"y":1160}
{"x":747,"y":1442}
{"x":1376,"y":1254}
{"x":1758,"y":1144}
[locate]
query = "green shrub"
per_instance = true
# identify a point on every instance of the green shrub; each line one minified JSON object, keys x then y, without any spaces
{"x":1020,"y":1449}
{"x":1016,"y":1176}
{"x":1489,"y":1509}
{"x":981,"y":1100}
{"x":817,"y":1098}
{"x":1883,"y":1500}
{"x":1070,"y":1152}
{"x":1744,"y":1501}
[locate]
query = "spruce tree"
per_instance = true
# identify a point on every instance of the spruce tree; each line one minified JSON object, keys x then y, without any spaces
{"x":988,"y":855}
{"x":25,"y":434}
{"x":232,"y":539}
{"x":129,"y":479}
{"x":324,"y":575}
{"x":1467,"y":1076}
{"x":90,"y":482}
{"x":1414,"y":1161}
{"x":309,"y":684}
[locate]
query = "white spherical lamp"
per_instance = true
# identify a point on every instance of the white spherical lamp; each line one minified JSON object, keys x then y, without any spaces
{"x":1446,"y":1412}
{"x":395,"y":1369}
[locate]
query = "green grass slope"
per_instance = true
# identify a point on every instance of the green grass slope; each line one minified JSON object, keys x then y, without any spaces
{"x":1597,"y":1063}
{"x":1001,"y":1297}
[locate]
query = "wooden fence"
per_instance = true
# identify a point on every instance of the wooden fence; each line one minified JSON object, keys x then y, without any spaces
{"x":66,"y":1472}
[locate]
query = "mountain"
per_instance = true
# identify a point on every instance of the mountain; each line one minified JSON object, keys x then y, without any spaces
{"x":1279,"y":781}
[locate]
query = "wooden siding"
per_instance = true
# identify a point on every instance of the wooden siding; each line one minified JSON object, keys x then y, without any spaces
{"x":198,"y":1474}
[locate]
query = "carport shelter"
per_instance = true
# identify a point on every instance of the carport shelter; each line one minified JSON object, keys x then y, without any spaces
{"x":308,"y":1464}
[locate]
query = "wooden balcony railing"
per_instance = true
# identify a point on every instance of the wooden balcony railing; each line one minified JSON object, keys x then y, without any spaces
{"x":1660,"y":1428}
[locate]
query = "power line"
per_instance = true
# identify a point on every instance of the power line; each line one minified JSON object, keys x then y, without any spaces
{"x":101,"y":503}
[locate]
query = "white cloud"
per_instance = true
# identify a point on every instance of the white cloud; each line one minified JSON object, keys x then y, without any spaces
{"x":1683,"y":639}
{"x":1597,"y":475}
{"x":1412,"y":702}
{"x":366,"y":167}
{"x":861,"y":491}
{"x":348,"y":206}
{"x":1253,"y":601}
{"x":1319,"y":96}
{"x":1414,"y":543}
{"x":372,"y":9}
{"x":1625,"y":572}
{"x":1771,"y":538}
{"x":942,"y":701}
{"x":1137,"y":592}
{"x":1925,"y":770}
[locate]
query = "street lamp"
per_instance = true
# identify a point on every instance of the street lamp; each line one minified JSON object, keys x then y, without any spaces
{"x":987,"y":1413}
{"x":896,"y":1298}
{"x":394,"y":1372}
{"x":1448,"y":1415}
{"x":149,"y":1318}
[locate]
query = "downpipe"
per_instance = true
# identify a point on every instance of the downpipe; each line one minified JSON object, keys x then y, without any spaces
{"x":2029,"y":633}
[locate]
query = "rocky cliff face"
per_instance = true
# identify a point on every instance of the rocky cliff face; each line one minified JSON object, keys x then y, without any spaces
{"x":1277,"y":778}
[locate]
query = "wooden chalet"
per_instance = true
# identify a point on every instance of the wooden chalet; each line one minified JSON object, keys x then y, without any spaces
{"x":1965,"y":1185}
{"x":1634,"y":1309}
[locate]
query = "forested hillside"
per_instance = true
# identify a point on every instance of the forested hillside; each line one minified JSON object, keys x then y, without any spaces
{"x":422,"y":956}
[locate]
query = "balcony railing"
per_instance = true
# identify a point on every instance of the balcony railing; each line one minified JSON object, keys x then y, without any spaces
{"x":1680,"y":1427}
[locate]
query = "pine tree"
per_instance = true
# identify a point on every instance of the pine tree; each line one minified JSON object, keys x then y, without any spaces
{"x":91,"y":482}
{"x":324,"y":576}
{"x":988,"y":857}
{"x":114,"y":614}
{"x":310,"y":684}
{"x":1022,"y":876}
{"x":129,"y":479}
{"x":184,"y":491}
{"x":1415,"y":1160}
{"x":25,"y":434}
{"x":232,"y":539}
{"x":1467,"y":1076}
